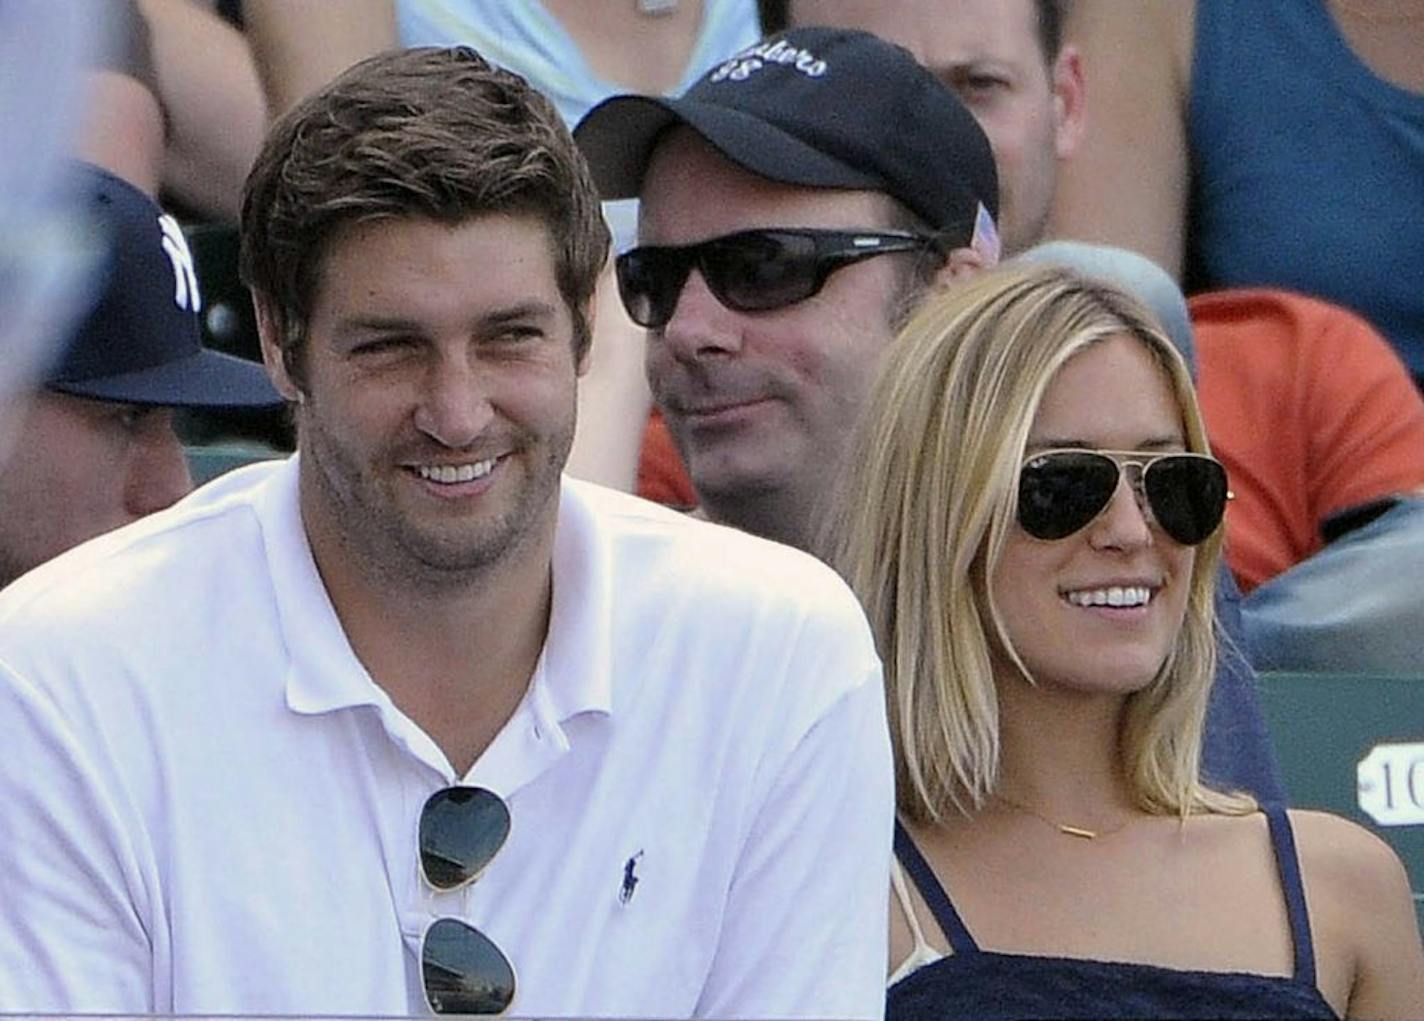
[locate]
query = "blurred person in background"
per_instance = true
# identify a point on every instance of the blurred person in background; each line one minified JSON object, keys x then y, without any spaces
{"x":95,"y":445}
{"x":1008,"y":62}
{"x":1212,"y":122}
{"x":45,"y":252}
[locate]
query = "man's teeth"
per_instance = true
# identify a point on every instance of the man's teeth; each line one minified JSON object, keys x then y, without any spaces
{"x":1118,"y":595}
{"x":451,"y":473}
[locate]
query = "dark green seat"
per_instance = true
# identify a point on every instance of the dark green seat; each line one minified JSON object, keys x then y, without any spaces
{"x":229,"y":325}
{"x":208,"y":461}
{"x":1324,"y":725}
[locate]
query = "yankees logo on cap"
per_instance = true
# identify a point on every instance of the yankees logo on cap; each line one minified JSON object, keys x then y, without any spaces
{"x":185,"y":276}
{"x":141,"y":342}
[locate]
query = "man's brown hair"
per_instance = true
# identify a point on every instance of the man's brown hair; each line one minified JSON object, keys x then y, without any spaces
{"x":438,"y":133}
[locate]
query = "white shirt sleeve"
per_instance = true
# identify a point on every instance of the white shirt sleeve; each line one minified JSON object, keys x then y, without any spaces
{"x":73,"y":935}
{"x":804,"y":933}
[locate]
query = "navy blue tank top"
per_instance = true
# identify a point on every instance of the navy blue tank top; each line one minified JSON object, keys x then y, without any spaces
{"x":974,"y":983}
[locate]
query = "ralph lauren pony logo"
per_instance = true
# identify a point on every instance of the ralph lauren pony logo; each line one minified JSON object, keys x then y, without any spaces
{"x":630,"y":878}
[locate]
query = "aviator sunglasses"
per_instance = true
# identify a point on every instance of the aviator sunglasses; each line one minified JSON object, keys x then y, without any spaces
{"x":463,"y":972}
{"x":752,"y":270}
{"x":1063,"y":491}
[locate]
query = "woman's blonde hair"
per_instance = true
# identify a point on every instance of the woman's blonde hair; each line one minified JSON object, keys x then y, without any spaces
{"x":929,"y":501}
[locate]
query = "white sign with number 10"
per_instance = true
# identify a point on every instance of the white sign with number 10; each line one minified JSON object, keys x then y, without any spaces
{"x":1391,"y":784}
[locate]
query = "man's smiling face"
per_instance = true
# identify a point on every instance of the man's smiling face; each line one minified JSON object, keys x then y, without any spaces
{"x":437,"y":400}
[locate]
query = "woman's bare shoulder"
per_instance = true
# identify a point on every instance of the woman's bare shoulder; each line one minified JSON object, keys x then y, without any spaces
{"x":1362,"y":916}
{"x":1359,"y":893}
{"x":1335,"y":851}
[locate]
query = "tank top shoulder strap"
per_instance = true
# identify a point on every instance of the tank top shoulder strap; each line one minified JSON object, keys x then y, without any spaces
{"x":930,"y":889}
{"x":1288,"y":863}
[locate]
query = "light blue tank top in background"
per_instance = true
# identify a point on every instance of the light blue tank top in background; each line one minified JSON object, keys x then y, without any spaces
{"x":524,"y":37}
{"x":1307,"y":167}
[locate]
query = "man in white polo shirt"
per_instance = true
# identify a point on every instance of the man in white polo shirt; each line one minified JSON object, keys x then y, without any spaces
{"x":411,"y":720}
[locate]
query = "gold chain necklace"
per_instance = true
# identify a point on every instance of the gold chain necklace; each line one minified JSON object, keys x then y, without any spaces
{"x":1081,"y":832}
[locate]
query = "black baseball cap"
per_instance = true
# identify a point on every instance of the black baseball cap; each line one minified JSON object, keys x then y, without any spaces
{"x":141,"y":342}
{"x":821,"y":107}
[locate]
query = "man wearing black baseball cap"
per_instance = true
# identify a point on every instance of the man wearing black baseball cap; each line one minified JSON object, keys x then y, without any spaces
{"x":94,"y":448}
{"x":766,"y":189}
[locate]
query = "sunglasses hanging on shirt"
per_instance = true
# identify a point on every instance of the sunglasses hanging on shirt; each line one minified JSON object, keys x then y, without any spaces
{"x":463,"y":972}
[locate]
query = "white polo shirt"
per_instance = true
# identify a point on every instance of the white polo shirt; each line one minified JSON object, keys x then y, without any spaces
{"x":208,"y":806}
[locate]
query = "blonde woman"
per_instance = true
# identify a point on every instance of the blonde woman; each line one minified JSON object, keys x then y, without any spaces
{"x":1033,"y":528}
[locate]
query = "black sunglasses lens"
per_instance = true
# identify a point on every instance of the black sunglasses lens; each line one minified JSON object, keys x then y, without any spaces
{"x":1187,"y":495}
{"x":649,"y":282}
{"x":461,"y":829}
{"x":464,"y":972}
{"x":1061,"y":492}
{"x":761,"y":270}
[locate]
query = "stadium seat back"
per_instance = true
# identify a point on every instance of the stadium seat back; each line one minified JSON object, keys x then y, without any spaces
{"x":1325,"y":726}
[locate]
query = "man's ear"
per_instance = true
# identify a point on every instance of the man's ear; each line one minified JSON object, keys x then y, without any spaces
{"x":1069,"y":109}
{"x":271,"y":340}
{"x":961,"y":264}
{"x":590,"y":318}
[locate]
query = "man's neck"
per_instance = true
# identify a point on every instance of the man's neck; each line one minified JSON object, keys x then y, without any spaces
{"x":781,"y":515}
{"x":456,"y":656}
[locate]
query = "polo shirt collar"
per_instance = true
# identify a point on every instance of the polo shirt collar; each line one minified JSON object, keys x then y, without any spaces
{"x":323,"y":672}
{"x":575,"y":671}
{"x":578,"y":652}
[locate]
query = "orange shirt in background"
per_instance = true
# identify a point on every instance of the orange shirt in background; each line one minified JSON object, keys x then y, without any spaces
{"x":1312,"y":413}
{"x":662,"y":477}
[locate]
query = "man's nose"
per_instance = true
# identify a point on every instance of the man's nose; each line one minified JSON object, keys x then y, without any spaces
{"x":701,"y":326}
{"x":454,"y":406}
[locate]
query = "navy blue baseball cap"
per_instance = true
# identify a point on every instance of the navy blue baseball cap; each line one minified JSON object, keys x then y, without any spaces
{"x":820,"y":107}
{"x":141,"y":342}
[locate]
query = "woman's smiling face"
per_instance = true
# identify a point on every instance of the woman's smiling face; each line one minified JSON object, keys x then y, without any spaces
{"x":1056,"y":597}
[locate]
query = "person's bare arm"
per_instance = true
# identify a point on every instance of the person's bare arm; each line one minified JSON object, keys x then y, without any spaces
{"x":1389,"y":982}
{"x":121,"y":119}
{"x":1127,"y":183}
{"x":216,"y":112}
{"x":613,"y":398}
{"x":300,"y":45}
{"x":122,"y":129}
{"x":1362,"y":917}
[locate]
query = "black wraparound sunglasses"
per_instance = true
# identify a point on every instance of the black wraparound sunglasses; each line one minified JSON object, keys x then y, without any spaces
{"x":752,"y":270}
{"x":1063,"y":491}
{"x":463,"y":972}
